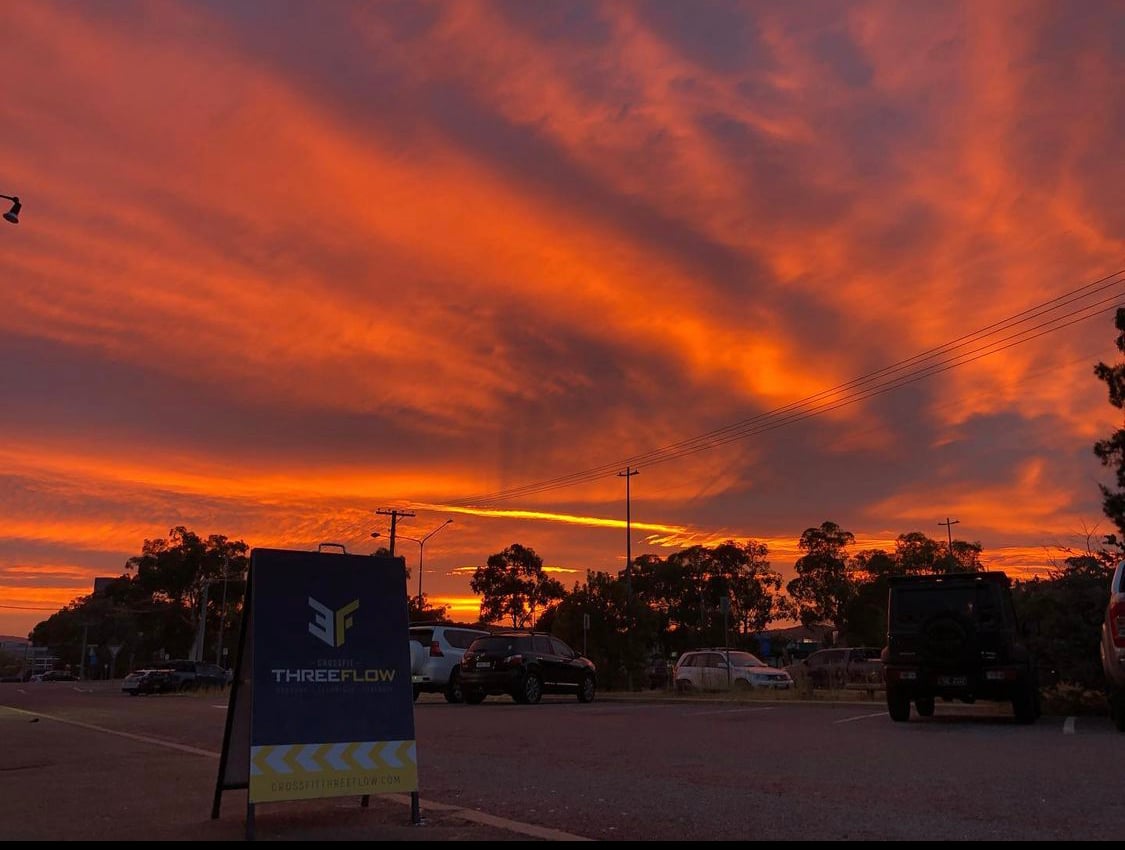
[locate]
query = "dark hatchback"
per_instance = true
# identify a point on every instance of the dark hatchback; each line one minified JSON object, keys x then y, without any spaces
{"x":525,"y":665}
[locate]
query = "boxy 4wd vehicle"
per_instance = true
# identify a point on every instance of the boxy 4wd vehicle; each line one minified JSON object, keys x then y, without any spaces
{"x":435,"y":658}
{"x":956,"y":637}
{"x":1113,"y":647}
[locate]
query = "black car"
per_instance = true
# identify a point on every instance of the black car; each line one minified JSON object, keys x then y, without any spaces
{"x":956,"y":637}
{"x":525,"y":665}
{"x":58,"y":676}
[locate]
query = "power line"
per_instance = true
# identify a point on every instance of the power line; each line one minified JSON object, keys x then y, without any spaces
{"x":25,"y":608}
{"x":871,"y":384}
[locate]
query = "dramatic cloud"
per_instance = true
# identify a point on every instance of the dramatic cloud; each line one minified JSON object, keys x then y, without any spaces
{"x":283,"y":264}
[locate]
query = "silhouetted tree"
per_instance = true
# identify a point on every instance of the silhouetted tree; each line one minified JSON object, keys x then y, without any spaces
{"x":158,"y":607}
{"x":753,"y":586}
{"x":824,"y":587}
{"x":1111,"y":451}
{"x":1065,"y":611}
{"x":512,"y":585}
{"x":421,"y":609}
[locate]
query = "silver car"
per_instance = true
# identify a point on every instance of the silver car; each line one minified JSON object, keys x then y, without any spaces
{"x":708,"y":670}
{"x":1113,"y":647}
{"x":435,"y":658}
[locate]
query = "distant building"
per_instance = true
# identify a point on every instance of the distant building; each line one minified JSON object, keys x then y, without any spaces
{"x":36,"y":659}
{"x":103,"y":582}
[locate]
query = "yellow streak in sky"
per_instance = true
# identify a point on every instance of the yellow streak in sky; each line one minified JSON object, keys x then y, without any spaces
{"x":569,"y":519}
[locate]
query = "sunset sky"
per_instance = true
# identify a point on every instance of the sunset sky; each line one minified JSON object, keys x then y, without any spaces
{"x":282,"y":265}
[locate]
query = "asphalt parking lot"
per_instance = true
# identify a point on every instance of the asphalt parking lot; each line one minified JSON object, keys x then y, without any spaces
{"x":83,"y":762}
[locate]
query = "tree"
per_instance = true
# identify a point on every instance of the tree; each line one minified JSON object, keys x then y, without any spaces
{"x":1111,"y":451}
{"x":917,"y":554}
{"x":824,"y":586}
{"x":421,"y":609}
{"x":753,"y":586}
{"x":1065,"y":613}
{"x":157,"y":608}
{"x":603,"y":598}
{"x":512,"y":584}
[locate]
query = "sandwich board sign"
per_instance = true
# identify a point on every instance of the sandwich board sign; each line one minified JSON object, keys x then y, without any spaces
{"x":322,"y":703}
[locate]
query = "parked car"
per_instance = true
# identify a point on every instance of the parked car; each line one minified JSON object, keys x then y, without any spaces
{"x":435,"y":658}
{"x":957,"y":637}
{"x":841,"y":667}
{"x":55,"y":676}
{"x":151,"y":681}
{"x":184,"y":670}
{"x":209,"y":675}
{"x":525,"y":665}
{"x":708,"y":670}
{"x":657,"y":672}
{"x":1113,"y":647}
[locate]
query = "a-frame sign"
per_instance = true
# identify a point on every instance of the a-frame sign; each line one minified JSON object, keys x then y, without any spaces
{"x":322,"y":703}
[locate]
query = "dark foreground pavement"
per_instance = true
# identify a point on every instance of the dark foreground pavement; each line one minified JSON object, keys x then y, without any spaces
{"x":72,"y":773}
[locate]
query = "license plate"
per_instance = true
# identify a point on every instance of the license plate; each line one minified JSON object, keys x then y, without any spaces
{"x":484,"y":665}
{"x":953,"y":681}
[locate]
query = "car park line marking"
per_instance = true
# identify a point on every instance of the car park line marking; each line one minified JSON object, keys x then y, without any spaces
{"x":1068,"y":726}
{"x":473,"y":815}
{"x":542,"y":832}
{"x":145,"y":739}
{"x":861,"y":717}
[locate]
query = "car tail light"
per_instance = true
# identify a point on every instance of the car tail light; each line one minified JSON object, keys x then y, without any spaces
{"x":435,"y":650}
{"x":1117,"y":622}
{"x":515,"y":660}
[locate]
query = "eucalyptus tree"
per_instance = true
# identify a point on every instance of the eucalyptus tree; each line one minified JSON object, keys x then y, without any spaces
{"x":513,"y":586}
{"x":825,"y":585}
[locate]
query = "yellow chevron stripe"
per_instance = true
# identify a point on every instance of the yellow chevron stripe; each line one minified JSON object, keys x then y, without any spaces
{"x":287,"y":772}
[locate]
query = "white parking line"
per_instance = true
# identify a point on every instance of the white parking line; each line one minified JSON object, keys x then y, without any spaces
{"x":861,"y":717}
{"x":1068,"y":726}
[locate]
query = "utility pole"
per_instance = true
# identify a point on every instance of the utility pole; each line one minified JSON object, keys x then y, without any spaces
{"x":82,"y":660}
{"x":627,"y":474}
{"x":394,"y":514}
{"x":197,"y":655}
{"x":949,"y":523}
{"x":223,"y":614}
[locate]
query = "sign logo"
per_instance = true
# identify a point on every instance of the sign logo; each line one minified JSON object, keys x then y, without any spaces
{"x":330,"y":626}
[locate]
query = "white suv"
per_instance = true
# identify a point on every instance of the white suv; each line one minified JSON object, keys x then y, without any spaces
{"x":707,"y":670}
{"x":435,"y":657}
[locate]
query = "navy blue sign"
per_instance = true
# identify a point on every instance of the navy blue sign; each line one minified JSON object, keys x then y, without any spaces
{"x":332,"y":704}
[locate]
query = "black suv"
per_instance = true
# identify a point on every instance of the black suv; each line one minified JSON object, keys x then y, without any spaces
{"x":525,"y":665}
{"x":956,"y":637}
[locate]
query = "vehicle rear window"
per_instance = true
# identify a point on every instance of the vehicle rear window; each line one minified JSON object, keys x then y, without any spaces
{"x":460,"y":639}
{"x":913,"y":607}
{"x":495,"y":644}
{"x":423,"y":636}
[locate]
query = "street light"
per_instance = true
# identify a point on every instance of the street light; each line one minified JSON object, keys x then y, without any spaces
{"x":421,"y":545}
{"x":13,"y":215}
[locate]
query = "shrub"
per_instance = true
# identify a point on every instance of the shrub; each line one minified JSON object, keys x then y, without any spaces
{"x":1069,"y":698}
